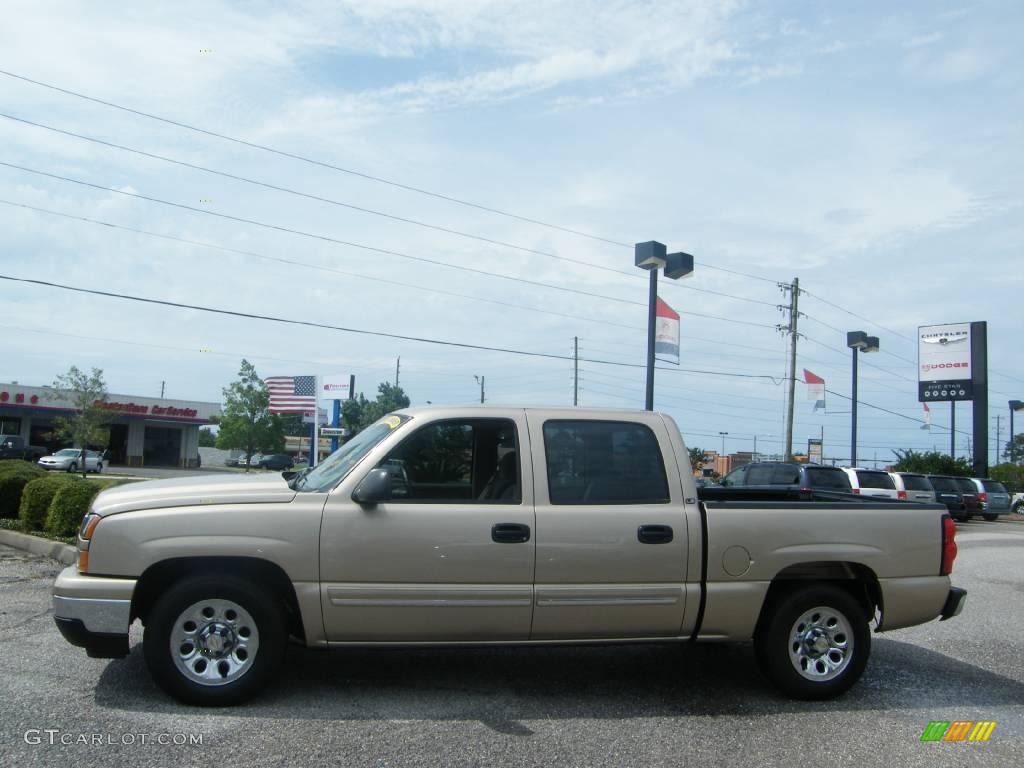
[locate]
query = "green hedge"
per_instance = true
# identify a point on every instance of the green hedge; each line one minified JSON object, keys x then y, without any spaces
{"x":14,"y":476}
{"x":69,"y":506}
{"x":36,"y":499}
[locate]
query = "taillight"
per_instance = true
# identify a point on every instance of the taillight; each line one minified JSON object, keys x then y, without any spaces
{"x":948,"y":545}
{"x":983,"y":497}
{"x":901,"y":495}
{"x":857,"y":491}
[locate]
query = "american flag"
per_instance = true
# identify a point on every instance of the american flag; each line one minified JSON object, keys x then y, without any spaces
{"x":292,"y":394}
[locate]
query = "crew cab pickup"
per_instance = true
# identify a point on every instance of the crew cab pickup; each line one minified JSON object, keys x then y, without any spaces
{"x":16,"y":447}
{"x":486,"y":525}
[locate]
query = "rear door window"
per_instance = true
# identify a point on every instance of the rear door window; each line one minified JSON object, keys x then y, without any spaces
{"x":786,"y":474}
{"x":965,"y":485}
{"x":604,"y":462}
{"x":828,"y":479}
{"x":916,"y":483}
{"x":868,"y":479}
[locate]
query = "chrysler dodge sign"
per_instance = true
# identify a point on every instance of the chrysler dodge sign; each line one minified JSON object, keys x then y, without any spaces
{"x":944,"y":363}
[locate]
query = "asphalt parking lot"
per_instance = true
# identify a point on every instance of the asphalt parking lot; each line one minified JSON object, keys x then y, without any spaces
{"x":607,"y":706}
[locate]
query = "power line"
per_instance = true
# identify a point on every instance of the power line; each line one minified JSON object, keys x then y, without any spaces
{"x":322,"y":268}
{"x":320,"y":163}
{"x":362,"y":331}
{"x":362,"y":246}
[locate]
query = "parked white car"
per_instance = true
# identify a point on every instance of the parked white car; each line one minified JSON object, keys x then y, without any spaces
{"x":871,"y":482}
{"x":70,"y":460}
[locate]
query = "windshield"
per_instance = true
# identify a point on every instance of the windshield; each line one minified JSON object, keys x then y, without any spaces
{"x":331,"y":470}
{"x":68,"y":452}
{"x":874,"y":480}
{"x":916,"y":483}
{"x":830,"y":479}
{"x":944,"y":484}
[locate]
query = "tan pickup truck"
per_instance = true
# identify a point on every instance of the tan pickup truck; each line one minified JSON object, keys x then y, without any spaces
{"x":476,"y":525}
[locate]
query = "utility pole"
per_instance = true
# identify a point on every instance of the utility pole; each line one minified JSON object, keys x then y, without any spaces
{"x":162,"y":389}
{"x":998,"y":435}
{"x":575,"y":370}
{"x":398,"y":368}
{"x":790,"y":328}
{"x":481,"y":380}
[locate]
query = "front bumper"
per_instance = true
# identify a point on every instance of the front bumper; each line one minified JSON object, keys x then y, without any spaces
{"x":93,"y":612}
{"x":955,"y":602}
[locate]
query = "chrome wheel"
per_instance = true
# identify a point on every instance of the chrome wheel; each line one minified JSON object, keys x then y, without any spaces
{"x":214,"y":642}
{"x":821,"y":644}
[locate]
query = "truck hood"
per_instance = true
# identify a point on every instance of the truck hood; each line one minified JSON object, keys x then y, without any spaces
{"x":193,"y":491}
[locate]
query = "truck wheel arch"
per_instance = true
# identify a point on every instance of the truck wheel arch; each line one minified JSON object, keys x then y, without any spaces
{"x":159,"y":576}
{"x":856,"y":578}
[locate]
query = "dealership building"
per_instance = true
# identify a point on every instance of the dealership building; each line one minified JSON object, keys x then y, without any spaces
{"x":144,"y":431}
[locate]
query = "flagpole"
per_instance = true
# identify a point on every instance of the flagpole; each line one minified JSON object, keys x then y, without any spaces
{"x":316,"y":422}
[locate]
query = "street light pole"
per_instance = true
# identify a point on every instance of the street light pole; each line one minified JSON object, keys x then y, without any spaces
{"x":723,"y":434}
{"x":857,"y":341}
{"x":1015,"y":405}
{"x":653,"y":256}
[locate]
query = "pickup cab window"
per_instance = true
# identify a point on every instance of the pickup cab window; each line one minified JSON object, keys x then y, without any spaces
{"x":461,"y":461}
{"x":604,"y":462}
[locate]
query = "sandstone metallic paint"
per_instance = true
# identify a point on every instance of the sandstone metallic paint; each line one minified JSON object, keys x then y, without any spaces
{"x":424,"y":571}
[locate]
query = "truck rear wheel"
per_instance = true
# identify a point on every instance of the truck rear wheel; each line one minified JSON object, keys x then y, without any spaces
{"x":214,"y":641}
{"x":815,"y":643}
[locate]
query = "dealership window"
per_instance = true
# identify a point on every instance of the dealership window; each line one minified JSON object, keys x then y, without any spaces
{"x":10,"y":426}
{"x":604,"y":462}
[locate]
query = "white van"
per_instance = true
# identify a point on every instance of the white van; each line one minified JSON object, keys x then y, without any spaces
{"x":914,"y":487}
{"x":872,"y":482}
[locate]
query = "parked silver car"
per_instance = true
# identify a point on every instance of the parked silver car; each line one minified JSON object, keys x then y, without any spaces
{"x":994,"y":498}
{"x":913,"y":487}
{"x":70,"y":460}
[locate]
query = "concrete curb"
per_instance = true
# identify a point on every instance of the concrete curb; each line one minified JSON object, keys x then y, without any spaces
{"x":63,"y":553}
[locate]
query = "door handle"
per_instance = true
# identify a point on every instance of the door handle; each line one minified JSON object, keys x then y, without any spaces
{"x":510,"y":533}
{"x":654,"y":534}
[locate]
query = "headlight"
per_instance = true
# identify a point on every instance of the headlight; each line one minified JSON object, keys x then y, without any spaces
{"x":89,"y":523}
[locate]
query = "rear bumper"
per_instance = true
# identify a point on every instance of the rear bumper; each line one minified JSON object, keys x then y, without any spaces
{"x":955,"y":602}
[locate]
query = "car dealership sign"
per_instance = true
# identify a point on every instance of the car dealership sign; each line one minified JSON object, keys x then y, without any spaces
{"x":944,"y":363}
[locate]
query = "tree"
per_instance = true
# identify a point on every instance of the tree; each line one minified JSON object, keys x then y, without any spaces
{"x":359,"y":413}
{"x":931,"y":463}
{"x":698,"y":458}
{"x":206,"y":438}
{"x":85,"y":393}
{"x":1015,"y":449}
{"x":1010,"y":475}
{"x":246,"y":421}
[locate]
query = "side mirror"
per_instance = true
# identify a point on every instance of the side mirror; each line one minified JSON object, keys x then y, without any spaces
{"x":374,"y":488}
{"x":288,"y":474}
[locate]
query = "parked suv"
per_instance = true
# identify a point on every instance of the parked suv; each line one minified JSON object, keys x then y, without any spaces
{"x":947,"y":491}
{"x":778,"y":473}
{"x":913,"y":487}
{"x":872,"y":482}
{"x":972,"y":501}
{"x":994,"y":498}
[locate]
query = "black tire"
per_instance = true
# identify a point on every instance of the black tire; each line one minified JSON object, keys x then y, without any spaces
{"x":267,"y":613}
{"x":991,"y":518}
{"x":773,"y":646}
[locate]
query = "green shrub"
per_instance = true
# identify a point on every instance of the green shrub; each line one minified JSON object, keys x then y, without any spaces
{"x":36,"y":498}
{"x":68,"y":507}
{"x":14,"y":476}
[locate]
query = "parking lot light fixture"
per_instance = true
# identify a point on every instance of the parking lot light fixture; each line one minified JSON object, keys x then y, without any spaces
{"x":857,"y":341}
{"x":653,"y":256}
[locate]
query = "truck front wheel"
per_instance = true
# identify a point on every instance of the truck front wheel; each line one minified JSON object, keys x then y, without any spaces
{"x":214,"y":641}
{"x":815,"y":643}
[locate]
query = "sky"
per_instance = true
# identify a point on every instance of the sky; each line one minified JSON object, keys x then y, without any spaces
{"x":477,"y":172}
